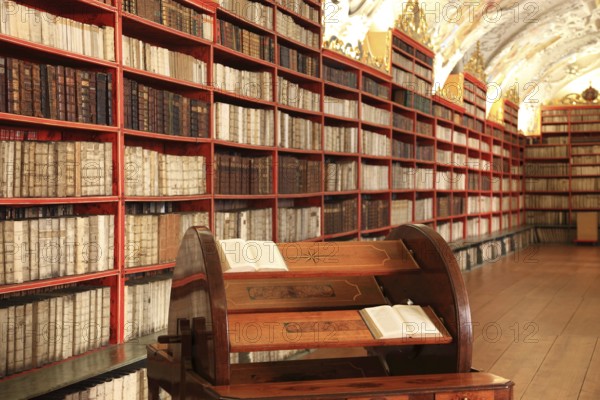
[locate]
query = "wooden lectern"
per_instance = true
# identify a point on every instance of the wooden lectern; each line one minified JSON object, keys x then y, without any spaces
{"x":315,"y":305}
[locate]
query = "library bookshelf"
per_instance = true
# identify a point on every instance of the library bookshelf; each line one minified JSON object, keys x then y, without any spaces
{"x":190,"y":114}
{"x":562,"y":168}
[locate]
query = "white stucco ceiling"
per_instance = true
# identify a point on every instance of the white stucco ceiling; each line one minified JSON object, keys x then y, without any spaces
{"x":549,"y":48}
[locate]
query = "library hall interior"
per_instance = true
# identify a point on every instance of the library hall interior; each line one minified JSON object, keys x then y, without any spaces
{"x":299,"y":199}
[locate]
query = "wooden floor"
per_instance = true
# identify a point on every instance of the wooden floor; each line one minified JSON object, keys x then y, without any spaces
{"x":536,"y":320}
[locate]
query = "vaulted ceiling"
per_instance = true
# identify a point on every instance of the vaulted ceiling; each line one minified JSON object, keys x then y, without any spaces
{"x":549,"y":48}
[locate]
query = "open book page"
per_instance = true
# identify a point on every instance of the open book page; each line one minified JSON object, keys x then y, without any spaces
{"x":238,"y":255}
{"x":267,"y":255}
{"x":416,"y":322}
{"x":399,"y":321}
{"x":383,"y":322}
{"x":232,"y":256}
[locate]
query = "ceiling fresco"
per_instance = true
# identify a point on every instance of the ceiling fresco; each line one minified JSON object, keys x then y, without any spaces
{"x":546,"y":49}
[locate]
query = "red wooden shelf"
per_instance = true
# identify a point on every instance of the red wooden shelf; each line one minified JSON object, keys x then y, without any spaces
{"x":50,"y":53}
{"x":148,"y":268}
{"x":57,"y":200}
{"x":24,"y":120}
{"x":164,"y":136}
{"x":146,"y":199}
{"x":63,"y":280}
{"x":182,"y":84}
{"x":141,"y":27}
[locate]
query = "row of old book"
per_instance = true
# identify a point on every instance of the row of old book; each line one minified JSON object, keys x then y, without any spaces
{"x":256,"y":84}
{"x":45,"y":211}
{"x":152,"y":239}
{"x":375,"y":213}
{"x":341,"y":175}
{"x":256,"y":224}
{"x":55,"y":169}
{"x":159,"y":60}
{"x":547,"y":152}
{"x":346,"y":108}
{"x":585,"y":150}
{"x":293,"y":95}
{"x":297,"y":61}
{"x":475,"y":110}
{"x":547,"y":201}
{"x":301,"y":8}
{"x":243,"y":175}
{"x":247,"y":42}
{"x":295,"y":224}
{"x":55,"y":91}
{"x":249,"y":10}
{"x":423,"y":103}
{"x":401,"y":149}
{"x":585,"y":201}
{"x":472,"y":123}
{"x":554,"y":235}
{"x":154,"y":110}
{"x":375,"y":88}
{"x":402,"y":211}
{"x":146,"y":305}
{"x":424,"y":152}
{"x":375,"y":144}
{"x":558,"y":184}
{"x":443,"y":132}
{"x":19,"y":20}
{"x":546,"y":169}
{"x":403,"y":122}
{"x":150,"y":173}
{"x":412,"y":82}
{"x":402,"y":176}
{"x":340,"y":216}
{"x":425,"y":128}
{"x":374,"y":177}
{"x":594,"y":159}
{"x":298,"y":133}
{"x":447,"y":206}
{"x":478,"y":204}
{"x":239,"y":124}
{"x":41,"y":328}
{"x":129,"y":383}
{"x":286,"y":26}
{"x":451,"y":230}
{"x":343,"y":139}
{"x":374,"y":115}
{"x":424,"y":209}
{"x":173,"y":15}
{"x":593,"y":170}
{"x":340,"y":76}
{"x":298,"y":175}
{"x":547,"y":217}
{"x":44,"y":248}
{"x":264,"y":356}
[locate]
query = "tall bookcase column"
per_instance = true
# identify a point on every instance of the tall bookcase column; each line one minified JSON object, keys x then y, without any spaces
{"x":412,"y":81}
{"x":341,"y":146}
{"x":300,"y":102}
{"x":375,"y":115}
{"x":568,"y":152}
{"x":245,"y":162}
{"x":166,"y":62}
{"x":548,"y":171}
{"x":117,"y":312}
{"x":514,"y":142}
{"x":60,"y":142}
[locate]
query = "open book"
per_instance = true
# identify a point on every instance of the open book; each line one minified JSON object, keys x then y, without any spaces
{"x":399,"y":321}
{"x":238,"y":255}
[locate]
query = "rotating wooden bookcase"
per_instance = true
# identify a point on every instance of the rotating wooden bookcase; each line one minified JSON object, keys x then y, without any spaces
{"x":315,"y":305}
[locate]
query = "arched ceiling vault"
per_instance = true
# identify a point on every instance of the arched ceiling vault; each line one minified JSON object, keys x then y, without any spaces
{"x":550,"y":48}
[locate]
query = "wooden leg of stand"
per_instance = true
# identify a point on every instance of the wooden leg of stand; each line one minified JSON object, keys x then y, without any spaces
{"x":153,"y":389}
